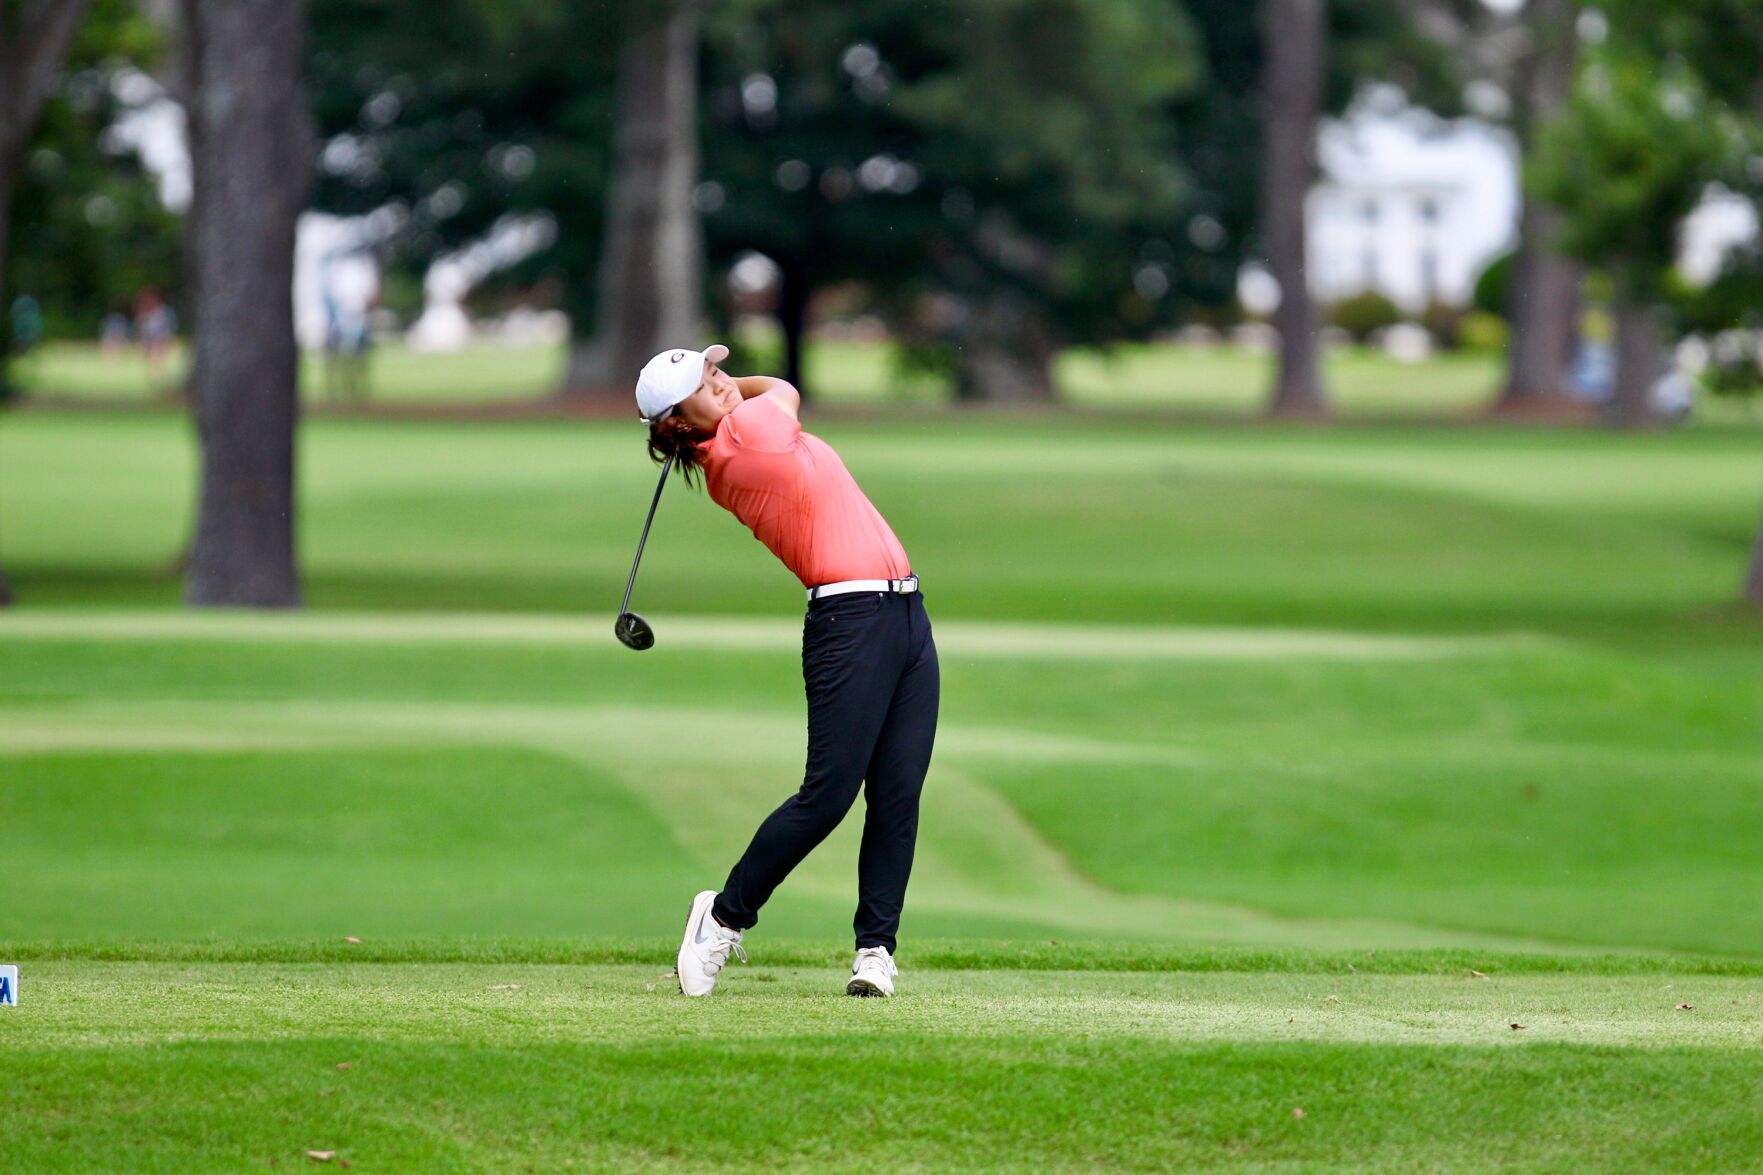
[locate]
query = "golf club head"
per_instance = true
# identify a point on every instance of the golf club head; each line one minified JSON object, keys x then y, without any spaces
{"x":634,"y":631}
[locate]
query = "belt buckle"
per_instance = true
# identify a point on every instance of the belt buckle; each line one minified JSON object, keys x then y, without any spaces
{"x":903,"y":589}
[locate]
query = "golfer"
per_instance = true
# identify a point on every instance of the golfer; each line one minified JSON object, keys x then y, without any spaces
{"x":869,"y":664}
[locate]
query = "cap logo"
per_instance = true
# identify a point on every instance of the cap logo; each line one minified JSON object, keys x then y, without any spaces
{"x":677,"y":356}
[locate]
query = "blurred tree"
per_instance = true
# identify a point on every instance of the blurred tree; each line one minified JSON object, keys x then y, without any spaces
{"x":1519,"y":63}
{"x":34,"y":39}
{"x":1727,"y":312}
{"x":1422,"y":47}
{"x":1316,"y":57}
{"x":1542,"y":292}
{"x":1364,"y":314}
{"x":651,"y":263}
{"x":1215,"y":120}
{"x":35,"y":36}
{"x":1044,"y":127}
{"x":1722,"y":42}
{"x":1000,"y":177}
{"x":1293,"y":68}
{"x":252,"y":169}
{"x":454,"y":117}
{"x":1627,"y":159}
{"x":88,"y":227}
{"x":795,"y":102}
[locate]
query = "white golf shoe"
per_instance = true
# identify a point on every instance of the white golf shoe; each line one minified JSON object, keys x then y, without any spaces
{"x":872,"y":973}
{"x":705,"y":949}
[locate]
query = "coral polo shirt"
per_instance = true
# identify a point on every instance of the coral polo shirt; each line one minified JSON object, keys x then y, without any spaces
{"x":791,"y":490}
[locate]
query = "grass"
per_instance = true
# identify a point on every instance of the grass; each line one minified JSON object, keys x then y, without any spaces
{"x":485,"y":373}
{"x":1383,"y":528}
{"x":1195,"y":378}
{"x":458,"y":1067}
{"x":1224,"y":381}
{"x":1254,"y":743}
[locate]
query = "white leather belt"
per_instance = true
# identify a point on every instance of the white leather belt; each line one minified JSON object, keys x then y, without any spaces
{"x":903,"y":586}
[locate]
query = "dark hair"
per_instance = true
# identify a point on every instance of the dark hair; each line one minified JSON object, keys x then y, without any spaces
{"x":673,"y":436}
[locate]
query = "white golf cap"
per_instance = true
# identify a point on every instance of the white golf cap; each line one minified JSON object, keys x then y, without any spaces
{"x":672,"y":376}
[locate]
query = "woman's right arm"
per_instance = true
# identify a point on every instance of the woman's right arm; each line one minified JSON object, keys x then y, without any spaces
{"x":781,"y":391}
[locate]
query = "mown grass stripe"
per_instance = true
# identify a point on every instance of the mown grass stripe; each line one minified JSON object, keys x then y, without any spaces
{"x":941,"y":954}
{"x":965,"y":638}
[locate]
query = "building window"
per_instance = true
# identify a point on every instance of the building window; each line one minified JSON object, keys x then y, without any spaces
{"x":1429,"y":210}
{"x":1368,"y":267}
{"x":1368,"y":211}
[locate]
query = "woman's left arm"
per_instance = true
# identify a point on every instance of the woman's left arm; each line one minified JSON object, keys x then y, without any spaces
{"x":782,"y":391}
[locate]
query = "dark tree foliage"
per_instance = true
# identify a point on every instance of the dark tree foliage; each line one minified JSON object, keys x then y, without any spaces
{"x":459,"y":112}
{"x":787,"y":177}
{"x":1042,"y":164}
{"x":36,"y":37}
{"x":88,"y":228}
{"x":1028,"y":159}
{"x":1039,"y":165}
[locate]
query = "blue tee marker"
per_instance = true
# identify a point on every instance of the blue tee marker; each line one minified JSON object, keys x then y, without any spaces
{"x":9,"y":985}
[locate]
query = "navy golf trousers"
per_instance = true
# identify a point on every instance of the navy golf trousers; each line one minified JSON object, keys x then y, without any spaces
{"x":869,"y":666}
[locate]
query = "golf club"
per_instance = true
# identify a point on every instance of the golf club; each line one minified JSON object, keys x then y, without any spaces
{"x":632,"y":629}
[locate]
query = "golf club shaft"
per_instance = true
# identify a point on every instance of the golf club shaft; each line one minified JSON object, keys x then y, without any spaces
{"x":666,"y":466}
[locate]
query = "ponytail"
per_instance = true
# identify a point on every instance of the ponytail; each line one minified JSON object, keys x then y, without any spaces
{"x":673,"y":437}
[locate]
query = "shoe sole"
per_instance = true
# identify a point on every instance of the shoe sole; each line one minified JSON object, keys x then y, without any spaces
{"x":864,"y":988}
{"x":679,"y":959}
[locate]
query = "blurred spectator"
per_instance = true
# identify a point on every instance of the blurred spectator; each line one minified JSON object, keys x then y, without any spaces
{"x":350,"y":294}
{"x":27,"y":324}
{"x":113,"y":333}
{"x":155,"y":325}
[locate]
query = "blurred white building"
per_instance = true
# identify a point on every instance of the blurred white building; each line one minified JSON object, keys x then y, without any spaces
{"x":1410,"y":205}
{"x":1416,"y":207}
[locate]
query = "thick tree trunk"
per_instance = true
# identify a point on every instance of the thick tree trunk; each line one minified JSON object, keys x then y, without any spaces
{"x":1752,"y":591}
{"x":651,"y":266}
{"x":1006,"y":352}
{"x":255,"y":161}
{"x":795,"y":289}
{"x":1637,"y":364}
{"x":1543,"y":306}
{"x":1543,"y":300}
{"x":1294,"y":57}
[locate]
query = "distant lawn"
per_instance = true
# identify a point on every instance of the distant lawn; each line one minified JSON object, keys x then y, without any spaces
{"x":1202,"y":379}
{"x":1025,"y":518}
{"x":396,"y":374}
{"x":1223,"y":380}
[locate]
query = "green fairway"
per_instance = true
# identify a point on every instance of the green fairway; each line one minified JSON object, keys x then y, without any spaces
{"x":475,"y":775}
{"x":1254,"y":742}
{"x":455,"y":1067}
{"x":1393,"y":529}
